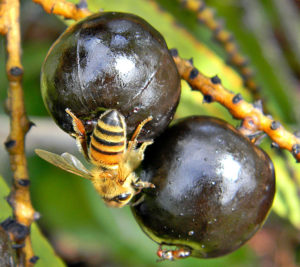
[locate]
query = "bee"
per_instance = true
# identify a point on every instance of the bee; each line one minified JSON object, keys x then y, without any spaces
{"x":168,"y":254}
{"x":114,"y":159}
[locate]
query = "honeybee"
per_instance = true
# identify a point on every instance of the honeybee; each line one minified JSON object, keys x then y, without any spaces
{"x":114,"y":159}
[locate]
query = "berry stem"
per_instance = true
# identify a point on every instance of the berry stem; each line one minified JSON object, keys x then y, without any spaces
{"x":253,"y":118}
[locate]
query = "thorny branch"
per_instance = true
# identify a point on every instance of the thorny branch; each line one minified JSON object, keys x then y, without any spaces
{"x":19,"y":198}
{"x":253,"y":119}
{"x":64,"y":8}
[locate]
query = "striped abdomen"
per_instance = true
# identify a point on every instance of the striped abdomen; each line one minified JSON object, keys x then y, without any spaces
{"x":108,"y":141}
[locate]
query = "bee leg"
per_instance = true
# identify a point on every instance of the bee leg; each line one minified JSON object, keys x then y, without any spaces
{"x":80,"y":134}
{"x":139,"y":128}
{"x":133,"y":142}
{"x":142,"y":148}
{"x":139,"y":185}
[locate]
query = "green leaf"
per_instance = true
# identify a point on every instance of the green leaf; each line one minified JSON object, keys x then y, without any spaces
{"x":5,"y":209}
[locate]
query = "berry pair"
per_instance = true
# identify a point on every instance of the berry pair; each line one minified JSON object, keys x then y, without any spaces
{"x":213,"y":188}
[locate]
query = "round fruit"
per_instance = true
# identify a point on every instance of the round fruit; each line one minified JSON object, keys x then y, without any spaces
{"x":111,"y":61}
{"x":213,"y":191}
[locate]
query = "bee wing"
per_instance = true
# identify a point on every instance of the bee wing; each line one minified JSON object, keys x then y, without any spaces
{"x":66,"y":162}
{"x":75,"y":162}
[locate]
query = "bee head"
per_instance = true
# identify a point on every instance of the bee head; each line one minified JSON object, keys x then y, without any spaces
{"x":115,"y":192}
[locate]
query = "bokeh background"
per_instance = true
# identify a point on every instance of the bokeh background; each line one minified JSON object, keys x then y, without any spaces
{"x":75,"y":223}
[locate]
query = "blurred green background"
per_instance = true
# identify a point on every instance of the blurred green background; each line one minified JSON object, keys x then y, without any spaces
{"x":81,"y":229}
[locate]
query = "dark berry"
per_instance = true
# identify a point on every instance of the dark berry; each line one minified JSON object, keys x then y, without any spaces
{"x":111,"y":61}
{"x":213,"y":191}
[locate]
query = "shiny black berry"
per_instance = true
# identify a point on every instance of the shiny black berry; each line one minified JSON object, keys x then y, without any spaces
{"x":111,"y":61}
{"x":213,"y":191}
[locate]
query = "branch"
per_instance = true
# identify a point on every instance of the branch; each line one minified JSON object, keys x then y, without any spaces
{"x":66,"y":9}
{"x":253,"y":118}
{"x":19,"y":198}
{"x":206,"y":16}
